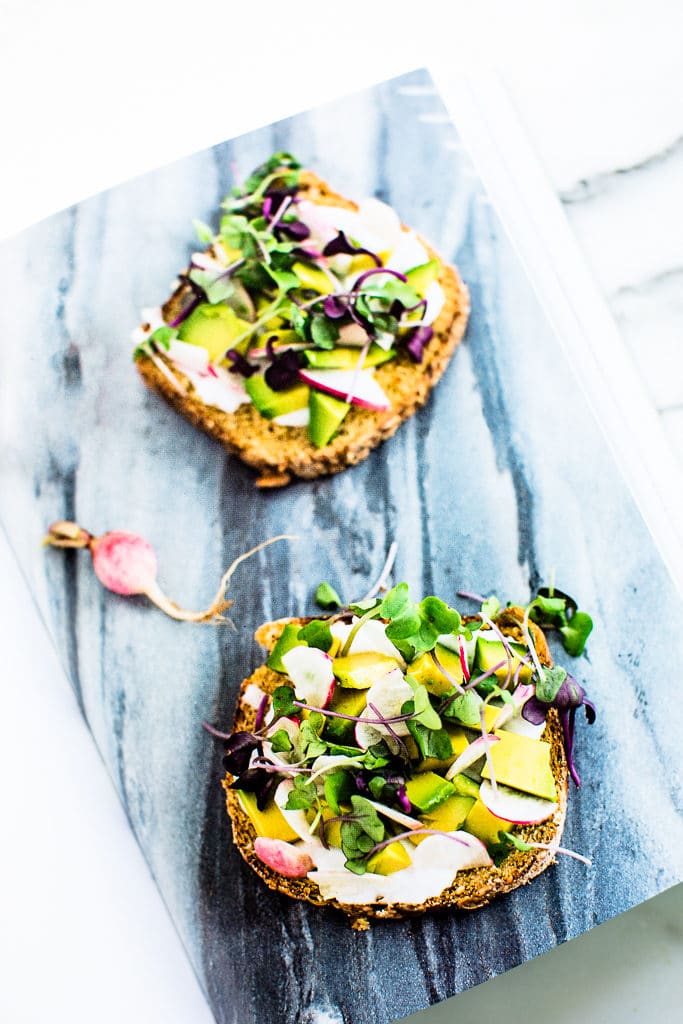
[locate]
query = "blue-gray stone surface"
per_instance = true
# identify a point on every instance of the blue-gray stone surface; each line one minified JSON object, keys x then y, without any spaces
{"x":503,"y":477}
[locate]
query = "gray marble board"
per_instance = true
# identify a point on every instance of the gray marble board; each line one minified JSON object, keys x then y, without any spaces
{"x":503,"y":477}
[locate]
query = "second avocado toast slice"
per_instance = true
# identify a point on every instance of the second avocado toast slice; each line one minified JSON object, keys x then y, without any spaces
{"x":308,"y":331}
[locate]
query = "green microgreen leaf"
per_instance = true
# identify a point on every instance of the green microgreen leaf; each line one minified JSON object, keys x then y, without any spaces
{"x":431,"y":742}
{"x":491,"y":606}
{"x":395,"y":601}
{"x":338,"y":787}
{"x":438,"y":614}
{"x":281,"y":742}
{"x":548,"y":686}
{"x":422,"y":707}
{"x":317,"y":634}
{"x":324,"y":332}
{"x":303,"y":796}
{"x":283,"y":703}
{"x":310,"y":730}
{"x":326,"y":596}
{"x":576,"y":632}
{"x":203,"y":231}
{"x":465,"y":709}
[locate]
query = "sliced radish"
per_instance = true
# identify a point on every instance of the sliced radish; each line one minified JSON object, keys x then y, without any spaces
{"x":388,"y":694}
{"x":297,"y":418}
{"x":310,"y":669}
{"x":359,"y":387}
{"x":188,"y":357}
{"x":459,"y":853}
{"x":452,"y":642}
{"x":283,"y":857}
{"x":397,"y":816}
{"x":515,"y":806}
{"x":368,"y":735}
{"x":471,"y":754}
{"x":353,"y":334}
{"x":222,"y":391}
{"x":371,"y":637}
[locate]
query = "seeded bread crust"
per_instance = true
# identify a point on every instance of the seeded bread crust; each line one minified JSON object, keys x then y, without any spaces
{"x":473,"y":888}
{"x":279,"y":453}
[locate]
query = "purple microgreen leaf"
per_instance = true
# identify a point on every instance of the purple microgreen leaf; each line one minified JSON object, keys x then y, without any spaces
{"x":239,"y":363}
{"x":335,"y":306}
{"x":416,"y":343}
{"x":240,"y":746}
{"x":342,"y":245}
{"x":283,"y":372}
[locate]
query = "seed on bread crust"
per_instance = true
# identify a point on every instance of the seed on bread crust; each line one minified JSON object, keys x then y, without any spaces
{"x":279,"y":454}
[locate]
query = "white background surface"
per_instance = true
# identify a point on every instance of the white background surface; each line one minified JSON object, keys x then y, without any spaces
{"x":93,"y":94}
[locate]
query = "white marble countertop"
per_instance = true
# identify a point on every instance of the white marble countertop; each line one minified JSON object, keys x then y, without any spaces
{"x":92,"y":97}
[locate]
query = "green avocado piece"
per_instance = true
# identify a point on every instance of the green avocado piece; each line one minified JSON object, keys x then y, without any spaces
{"x":448,"y":816}
{"x":346,"y":358}
{"x":490,"y":653}
{"x":465,"y":786}
{"x":275,"y":403}
{"x":522,"y":763}
{"x":214,"y":328}
{"x":427,"y":790}
{"x":327,"y":413}
{"x":360,"y":671}
{"x":392,"y":858}
{"x":288,"y":638}
{"x":424,"y":669}
{"x":421,"y":277}
{"x":346,"y":702}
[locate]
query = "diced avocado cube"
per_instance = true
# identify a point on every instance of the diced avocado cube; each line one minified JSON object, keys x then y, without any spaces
{"x":522,"y":763}
{"x":275,"y":403}
{"x":270,"y":822}
{"x":215,"y":328}
{"x":289,"y":637}
{"x":360,"y":671}
{"x":484,"y":825}
{"x":492,"y":713}
{"x":448,"y":816}
{"x":465,"y":786}
{"x":392,"y":858}
{"x":425,"y":671}
{"x":421,"y":277}
{"x":340,"y":358}
{"x":459,"y":741}
{"x":490,"y":653}
{"x":427,"y":790}
{"x":312,"y":277}
{"x":345,"y":702}
{"x":327,"y":413}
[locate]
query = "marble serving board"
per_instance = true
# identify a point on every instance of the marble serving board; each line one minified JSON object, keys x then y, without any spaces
{"x":503,"y":478}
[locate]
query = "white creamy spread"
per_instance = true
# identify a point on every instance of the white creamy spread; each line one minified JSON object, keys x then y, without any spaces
{"x":224,"y":391}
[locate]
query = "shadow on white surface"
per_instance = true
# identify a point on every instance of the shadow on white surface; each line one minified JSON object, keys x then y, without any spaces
{"x":629,"y":969}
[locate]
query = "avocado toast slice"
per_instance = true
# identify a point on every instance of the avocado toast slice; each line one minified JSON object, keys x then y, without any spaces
{"x":366,"y":810}
{"x":356,"y":340}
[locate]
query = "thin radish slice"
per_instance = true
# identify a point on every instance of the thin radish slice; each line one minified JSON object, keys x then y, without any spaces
{"x":310,"y":669}
{"x":440,"y":852}
{"x":188,"y":357}
{"x":471,"y":754}
{"x":515,"y":806}
{"x":397,"y":816}
{"x":388,"y":694}
{"x":358,"y":387}
{"x":371,"y":637}
{"x":283,"y":857}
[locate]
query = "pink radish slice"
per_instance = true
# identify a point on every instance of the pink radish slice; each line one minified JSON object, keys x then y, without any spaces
{"x":515,"y":806}
{"x":471,"y":754}
{"x":310,"y":669}
{"x":190,"y":357}
{"x":360,"y":387}
{"x":124,"y":562}
{"x":283,"y":857}
{"x":459,"y":853}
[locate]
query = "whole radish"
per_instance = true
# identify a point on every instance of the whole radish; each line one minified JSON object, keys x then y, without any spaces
{"x":126,"y":564}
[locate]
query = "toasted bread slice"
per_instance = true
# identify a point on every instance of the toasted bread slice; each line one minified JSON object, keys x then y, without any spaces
{"x":472,"y":888}
{"x":281,"y":453}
